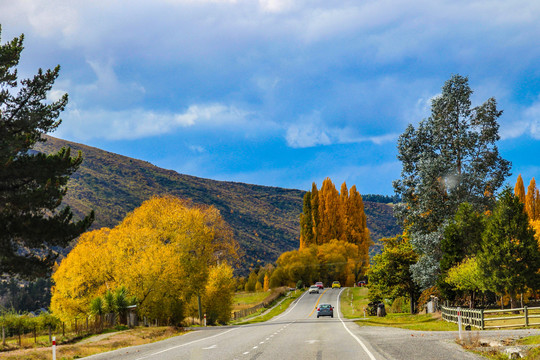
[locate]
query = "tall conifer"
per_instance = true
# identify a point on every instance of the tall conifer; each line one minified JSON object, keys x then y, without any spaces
{"x":519,"y":189}
{"x":315,"y":213}
{"x":306,"y":223}
{"x":530,"y":200}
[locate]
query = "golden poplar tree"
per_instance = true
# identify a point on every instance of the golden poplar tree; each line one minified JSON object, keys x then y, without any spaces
{"x":537,"y":204}
{"x":530,"y":200}
{"x":316,"y":220}
{"x":519,"y":189}
{"x":329,"y":212}
{"x":306,"y":223}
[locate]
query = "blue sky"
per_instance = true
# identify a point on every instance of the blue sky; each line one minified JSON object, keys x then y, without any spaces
{"x":279,"y":92}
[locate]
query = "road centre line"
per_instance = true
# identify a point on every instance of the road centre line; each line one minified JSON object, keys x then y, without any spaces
{"x":350,"y":332}
{"x":188,"y":343}
{"x":317,"y":303}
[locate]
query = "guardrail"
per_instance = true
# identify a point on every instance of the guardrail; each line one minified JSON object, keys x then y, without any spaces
{"x":479,"y":317}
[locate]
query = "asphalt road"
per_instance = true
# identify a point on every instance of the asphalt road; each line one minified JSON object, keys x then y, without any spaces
{"x":298,"y":334}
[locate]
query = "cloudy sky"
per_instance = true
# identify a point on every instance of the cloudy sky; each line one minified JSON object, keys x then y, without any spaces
{"x":279,"y":92}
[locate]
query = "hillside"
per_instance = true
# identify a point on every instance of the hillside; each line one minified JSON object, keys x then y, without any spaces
{"x":265,"y":220}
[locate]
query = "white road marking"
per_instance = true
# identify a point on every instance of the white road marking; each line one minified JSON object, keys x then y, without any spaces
{"x":188,"y":343}
{"x":262,"y":342}
{"x":311,"y":342}
{"x":350,"y":332}
{"x":247,"y":352}
{"x":210,"y":347}
{"x":255,"y":347}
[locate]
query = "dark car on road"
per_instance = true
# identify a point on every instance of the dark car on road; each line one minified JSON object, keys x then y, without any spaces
{"x":325,"y":310}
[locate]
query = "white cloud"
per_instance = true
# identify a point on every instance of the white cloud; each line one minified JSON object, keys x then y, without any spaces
{"x":311,"y":131}
{"x":140,"y":123}
{"x":532,"y":117}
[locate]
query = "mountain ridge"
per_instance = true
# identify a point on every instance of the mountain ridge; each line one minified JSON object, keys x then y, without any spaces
{"x":264,"y":219}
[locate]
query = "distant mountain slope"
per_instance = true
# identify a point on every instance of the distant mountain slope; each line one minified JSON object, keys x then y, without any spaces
{"x":265,"y":220}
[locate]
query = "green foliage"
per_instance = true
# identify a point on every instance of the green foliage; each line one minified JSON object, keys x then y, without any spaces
{"x":32,"y":185}
{"x":509,"y":259}
{"x":390,"y":276}
{"x":299,"y":284}
{"x":449,"y":159}
{"x":466,"y":276}
{"x":252,"y":281}
{"x":462,"y":238}
{"x":24,"y":296}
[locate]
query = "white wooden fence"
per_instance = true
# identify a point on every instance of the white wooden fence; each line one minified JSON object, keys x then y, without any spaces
{"x":480,"y":318}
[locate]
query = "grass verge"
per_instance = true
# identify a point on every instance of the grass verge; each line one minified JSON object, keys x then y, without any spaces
{"x":354,"y":300}
{"x":274,"y":312}
{"x":133,"y":337}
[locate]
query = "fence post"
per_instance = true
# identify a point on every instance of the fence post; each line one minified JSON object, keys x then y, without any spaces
{"x":3,"y":336}
{"x":459,"y":321}
{"x":482,"y":319}
{"x":526,"y":313}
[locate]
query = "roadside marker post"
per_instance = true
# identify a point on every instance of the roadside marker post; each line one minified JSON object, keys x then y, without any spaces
{"x":54,"y":348}
{"x":205,"y":319}
{"x":459,"y":321}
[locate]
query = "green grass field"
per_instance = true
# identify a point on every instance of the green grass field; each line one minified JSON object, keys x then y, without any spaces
{"x":354,"y":310}
{"x":255,"y":318}
{"x":244,"y":300}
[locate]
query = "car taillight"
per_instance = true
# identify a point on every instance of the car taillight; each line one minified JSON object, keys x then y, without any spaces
{"x":319,"y":309}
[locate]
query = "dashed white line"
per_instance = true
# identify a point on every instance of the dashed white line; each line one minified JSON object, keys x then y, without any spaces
{"x":188,"y":343}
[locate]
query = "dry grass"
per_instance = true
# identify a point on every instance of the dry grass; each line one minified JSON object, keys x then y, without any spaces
{"x":101,"y":343}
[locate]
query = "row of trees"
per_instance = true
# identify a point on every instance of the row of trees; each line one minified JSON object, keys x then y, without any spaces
{"x":531,"y":198}
{"x":168,"y":254}
{"x":328,"y":214}
{"x":334,"y":239}
{"x":460,"y":237}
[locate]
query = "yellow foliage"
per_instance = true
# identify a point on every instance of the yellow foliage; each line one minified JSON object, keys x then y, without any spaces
{"x":161,"y":252}
{"x":219,"y":292}
{"x":266,"y":285}
{"x":536,"y":226}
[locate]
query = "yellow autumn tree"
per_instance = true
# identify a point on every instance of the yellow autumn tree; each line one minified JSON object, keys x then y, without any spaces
{"x":530,"y":200}
{"x":519,"y":189}
{"x":84,"y":273}
{"x":266,"y":284}
{"x":218,"y":294}
{"x":329,"y":215}
{"x":161,"y":253}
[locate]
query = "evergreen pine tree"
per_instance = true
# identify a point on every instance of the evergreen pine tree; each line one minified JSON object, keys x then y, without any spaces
{"x":509,"y":258}
{"x":32,"y":185}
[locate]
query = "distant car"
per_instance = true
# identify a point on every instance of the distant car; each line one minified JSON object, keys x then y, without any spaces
{"x":325,"y":310}
{"x":336,"y":284}
{"x":320,"y":285}
{"x":362,"y":283}
{"x":313,"y":289}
